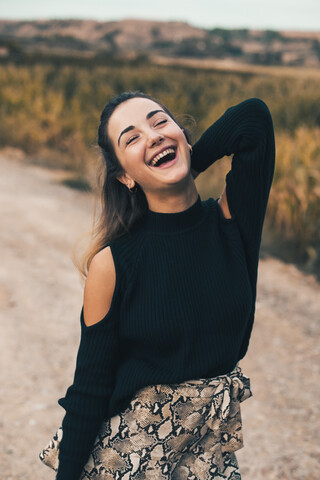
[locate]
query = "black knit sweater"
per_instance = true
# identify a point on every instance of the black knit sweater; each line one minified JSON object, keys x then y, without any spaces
{"x":184,"y":299}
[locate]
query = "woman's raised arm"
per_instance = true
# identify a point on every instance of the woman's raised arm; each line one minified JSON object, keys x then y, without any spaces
{"x":246,"y":131}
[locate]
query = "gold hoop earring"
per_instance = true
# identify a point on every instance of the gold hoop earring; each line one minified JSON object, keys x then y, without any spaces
{"x":190,"y":148}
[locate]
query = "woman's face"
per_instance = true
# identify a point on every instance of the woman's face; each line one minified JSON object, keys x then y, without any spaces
{"x":141,"y":132}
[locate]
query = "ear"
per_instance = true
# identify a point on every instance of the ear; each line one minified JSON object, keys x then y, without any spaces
{"x":121,"y":179}
{"x":126,"y":180}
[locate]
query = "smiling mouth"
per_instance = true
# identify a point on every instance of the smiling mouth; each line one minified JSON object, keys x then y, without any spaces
{"x":163,"y":157}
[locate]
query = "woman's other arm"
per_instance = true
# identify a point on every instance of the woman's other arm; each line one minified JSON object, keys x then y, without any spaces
{"x":86,"y":400}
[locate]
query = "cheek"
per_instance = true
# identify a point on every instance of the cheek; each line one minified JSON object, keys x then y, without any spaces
{"x":182,"y":137}
{"x":134,"y":157}
{"x":184,"y":142}
{"x":176,"y":133}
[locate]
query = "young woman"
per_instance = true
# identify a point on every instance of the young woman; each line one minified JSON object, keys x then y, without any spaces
{"x":169,"y":299}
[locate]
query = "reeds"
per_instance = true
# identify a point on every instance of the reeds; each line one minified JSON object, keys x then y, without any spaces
{"x":52,"y":113}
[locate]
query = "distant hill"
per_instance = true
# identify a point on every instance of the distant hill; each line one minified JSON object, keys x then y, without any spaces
{"x":129,"y":38}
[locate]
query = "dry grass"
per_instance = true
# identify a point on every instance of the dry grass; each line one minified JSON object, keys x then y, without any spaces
{"x":52,"y":112}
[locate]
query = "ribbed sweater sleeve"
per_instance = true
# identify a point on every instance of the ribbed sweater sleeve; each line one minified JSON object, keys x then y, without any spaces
{"x":246,"y":131}
{"x":86,"y":400}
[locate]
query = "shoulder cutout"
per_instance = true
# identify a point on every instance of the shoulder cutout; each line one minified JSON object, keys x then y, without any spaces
{"x":99,"y":287}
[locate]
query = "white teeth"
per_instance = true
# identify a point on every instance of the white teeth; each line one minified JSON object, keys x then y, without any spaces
{"x":160,"y":155}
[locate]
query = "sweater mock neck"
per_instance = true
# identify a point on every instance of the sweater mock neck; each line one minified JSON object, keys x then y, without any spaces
{"x":175,"y":222}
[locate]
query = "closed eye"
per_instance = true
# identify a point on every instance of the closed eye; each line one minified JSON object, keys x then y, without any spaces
{"x":159,"y":123}
{"x":131,"y":139}
{"x":136,"y":136}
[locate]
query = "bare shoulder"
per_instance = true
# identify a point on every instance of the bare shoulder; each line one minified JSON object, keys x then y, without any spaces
{"x":102,"y":262}
{"x":99,"y":287}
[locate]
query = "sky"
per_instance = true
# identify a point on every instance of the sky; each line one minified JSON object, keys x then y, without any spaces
{"x":260,"y":14}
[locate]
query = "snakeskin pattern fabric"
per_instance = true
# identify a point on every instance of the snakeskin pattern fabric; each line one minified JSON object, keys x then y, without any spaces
{"x":185,"y":431}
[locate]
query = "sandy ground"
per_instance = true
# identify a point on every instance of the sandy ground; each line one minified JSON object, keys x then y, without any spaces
{"x":40,"y":302}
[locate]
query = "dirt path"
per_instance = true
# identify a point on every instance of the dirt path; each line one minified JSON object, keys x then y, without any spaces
{"x":40,"y":301}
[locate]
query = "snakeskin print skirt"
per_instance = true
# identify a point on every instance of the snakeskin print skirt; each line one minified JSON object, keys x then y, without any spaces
{"x":185,"y":431}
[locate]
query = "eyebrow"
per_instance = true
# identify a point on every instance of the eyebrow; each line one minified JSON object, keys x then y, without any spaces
{"x":131,"y":127}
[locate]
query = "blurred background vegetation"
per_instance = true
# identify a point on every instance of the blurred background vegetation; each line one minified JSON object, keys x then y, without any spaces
{"x":50,"y":109}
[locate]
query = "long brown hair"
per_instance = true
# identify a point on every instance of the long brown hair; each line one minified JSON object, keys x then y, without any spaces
{"x":120,"y":209}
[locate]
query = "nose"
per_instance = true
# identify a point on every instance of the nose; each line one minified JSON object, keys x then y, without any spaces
{"x":154,"y":139}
